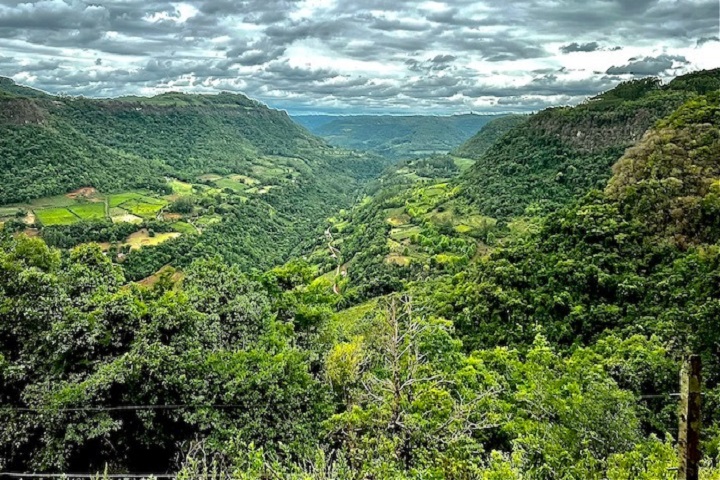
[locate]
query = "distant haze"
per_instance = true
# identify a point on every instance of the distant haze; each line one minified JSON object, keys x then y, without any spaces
{"x":396,"y":136}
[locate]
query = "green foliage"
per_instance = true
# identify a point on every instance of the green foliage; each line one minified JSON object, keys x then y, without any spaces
{"x":560,"y":154}
{"x":540,"y":351}
{"x":490,"y":133}
{"x":669,"y":180}
{"x":107,"y":345}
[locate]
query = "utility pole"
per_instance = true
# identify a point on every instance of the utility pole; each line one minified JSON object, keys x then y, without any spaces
{"x":689,"y":419}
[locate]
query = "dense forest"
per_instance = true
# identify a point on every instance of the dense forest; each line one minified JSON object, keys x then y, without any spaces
{"x":54,"y":145}
{"x":516,"y":309}
{"x":395,"y":136}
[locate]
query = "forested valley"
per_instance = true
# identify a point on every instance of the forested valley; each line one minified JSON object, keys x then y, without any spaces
{"x":195,"y":285}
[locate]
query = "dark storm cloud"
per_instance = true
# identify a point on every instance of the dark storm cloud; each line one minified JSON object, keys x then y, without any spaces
{"x":547,"y":86}
{"x":454,"y":17}
{"x":285,"y":71}
{"x":498,"y":47}
{"x":41,"y":66}
{"x":648,"y":65}
{"x":395,"y":25}
{"x":256,"y":53}
{"x":299,"y":30}
{"x":52,"y":14}
{"x":704,"y":40}
{"x":250,"y":8}
{"x":577,"y":47}
{"x":627,"y":20}
{"x":376,"y":55}
{"x":443,"y":59}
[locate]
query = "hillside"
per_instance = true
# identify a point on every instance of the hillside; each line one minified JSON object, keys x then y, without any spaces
{"x":670,"y":181}
{"x":488,"y":135}
{"x":395,"y":136}
{"x":400,"y":347}
{"x":53,"y":145}
{"x":560,"y":154}
{"x":218,"y":174}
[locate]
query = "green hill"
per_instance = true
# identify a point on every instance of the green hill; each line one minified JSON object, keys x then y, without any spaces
{"x":670,"y":181}
{"x":561,"y":153}
{"x":407,"y":336}
{"x":52,"y":145}
{"x":396,"y":136}
{"x":488,"y":135}
{"x":256,"y":182}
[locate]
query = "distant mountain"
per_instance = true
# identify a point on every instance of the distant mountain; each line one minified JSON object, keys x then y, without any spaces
{"x":488,"y":135}
{"x":396,"y":136}
{"x":271,"y":179}
{"x":51,"y":145}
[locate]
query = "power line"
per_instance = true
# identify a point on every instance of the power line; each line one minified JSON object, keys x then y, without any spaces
{"x":115,"y":408}
{"x":87,"y":475}
{"x":659,"y":395}
{"x":181,"y":406}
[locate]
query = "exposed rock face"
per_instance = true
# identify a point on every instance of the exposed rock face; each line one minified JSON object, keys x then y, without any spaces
{"x":22,"y":111}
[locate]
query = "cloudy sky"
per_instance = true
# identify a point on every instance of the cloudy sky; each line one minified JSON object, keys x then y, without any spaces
{"x":357,"y":56}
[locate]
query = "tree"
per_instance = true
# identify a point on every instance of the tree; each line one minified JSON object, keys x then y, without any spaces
{"x":418,"y":402}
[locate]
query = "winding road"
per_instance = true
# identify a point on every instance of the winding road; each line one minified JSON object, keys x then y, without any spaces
{"x":334,"y":253}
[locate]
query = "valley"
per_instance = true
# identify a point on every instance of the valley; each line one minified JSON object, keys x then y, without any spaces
{"x":396,"y":136}
{"x":195,"y":284}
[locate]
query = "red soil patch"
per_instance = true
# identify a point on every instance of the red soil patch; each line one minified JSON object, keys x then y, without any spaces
{"x":150,"y":281}
{"x":85,"y":192}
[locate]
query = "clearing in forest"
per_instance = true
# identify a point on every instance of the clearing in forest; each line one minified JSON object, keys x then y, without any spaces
{"x":146,"y":207}
{"x":229,"y":183}
{"x":142,"y":238}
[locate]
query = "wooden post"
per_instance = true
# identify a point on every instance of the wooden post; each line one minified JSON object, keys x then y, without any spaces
{"x":689,"y":419}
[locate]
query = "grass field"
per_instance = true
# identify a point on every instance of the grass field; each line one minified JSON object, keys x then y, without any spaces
{"x":180,"y":188}
{"x":8,"y":212}
{"x":142,"y":209}
{"x":399,"y":219}
{"x":184,"y":227}
{"x":52,"y":202}
{"x":403,"y":233}
{"x":120,"y":198}
{"x":244,"y":179}
{"x":207,"y":220}
{"x":56,"y":216}
{"x":89,"y":211}
{"x":231,"y":184}
{"x":463,"y":163}
{"x":144,"y":206}
{"x":142,"y":238}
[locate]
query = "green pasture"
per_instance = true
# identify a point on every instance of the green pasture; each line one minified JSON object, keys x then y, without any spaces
{"x":184,"y":227}
{"x":120,"y":198}
{"x":144,"y":208}
{"x":89,"y":211}
{"x":231,"y":184}
{"x":180,"y":188}
{"x":56,"y":216}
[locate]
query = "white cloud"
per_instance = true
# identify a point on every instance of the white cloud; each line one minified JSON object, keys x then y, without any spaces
{"x":353,"y":56}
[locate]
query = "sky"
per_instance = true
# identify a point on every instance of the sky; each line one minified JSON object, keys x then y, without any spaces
{"x":358,"y":56}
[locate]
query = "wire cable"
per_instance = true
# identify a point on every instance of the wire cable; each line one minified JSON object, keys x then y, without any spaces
{"x":114,"y":408}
